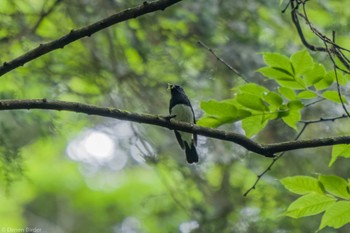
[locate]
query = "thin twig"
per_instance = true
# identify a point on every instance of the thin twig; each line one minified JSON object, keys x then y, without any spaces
{"x":222,"y":60}
{"x":337,"y":80}
{"x":323,"y":119}
{"x":272,"y":163}
{"x":314,"y":102}
{"x":337,"y":50}
{"x":306,"y":124}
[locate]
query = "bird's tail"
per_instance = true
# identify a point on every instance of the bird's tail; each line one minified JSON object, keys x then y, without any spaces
{"x":191,"y":153}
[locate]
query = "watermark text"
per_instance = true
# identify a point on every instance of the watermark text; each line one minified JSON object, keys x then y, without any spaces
{"x":20,"y":230}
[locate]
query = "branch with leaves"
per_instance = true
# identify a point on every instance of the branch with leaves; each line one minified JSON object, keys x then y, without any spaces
{"x":268,"y":150}
{"x":73,"y":35}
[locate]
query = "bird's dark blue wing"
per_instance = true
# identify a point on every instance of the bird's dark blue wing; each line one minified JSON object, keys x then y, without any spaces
{"x":194,"y":122}
{"x":179,"y":139}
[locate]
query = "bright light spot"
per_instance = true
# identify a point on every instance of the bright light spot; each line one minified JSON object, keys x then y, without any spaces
{"x":187,"y":227}
{"x":131,"y":225}
{"x":92,"y":147}
{"x":99,"y":145}
{"x":100,"y":153}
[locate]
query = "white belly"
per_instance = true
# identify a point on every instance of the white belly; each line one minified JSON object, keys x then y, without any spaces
{"x":183,"y":113}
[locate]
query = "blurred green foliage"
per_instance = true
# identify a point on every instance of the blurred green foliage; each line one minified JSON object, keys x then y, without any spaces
{"x":52,"y":182}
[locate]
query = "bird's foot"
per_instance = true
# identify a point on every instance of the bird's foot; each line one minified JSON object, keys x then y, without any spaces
{"x":169,"y":117}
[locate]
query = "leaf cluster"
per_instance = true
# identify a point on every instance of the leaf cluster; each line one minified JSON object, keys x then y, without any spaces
{"x":328,"y":194}
{"x":300,"y":80}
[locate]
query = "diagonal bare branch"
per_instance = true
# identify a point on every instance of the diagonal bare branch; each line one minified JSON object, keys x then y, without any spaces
{"x":234,"y":70}
{"x":77,"y":34}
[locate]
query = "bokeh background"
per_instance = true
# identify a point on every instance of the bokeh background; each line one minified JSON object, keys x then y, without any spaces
{"x":69,"y":172}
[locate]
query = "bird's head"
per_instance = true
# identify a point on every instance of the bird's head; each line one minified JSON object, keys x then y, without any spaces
{"x":175,"y":88}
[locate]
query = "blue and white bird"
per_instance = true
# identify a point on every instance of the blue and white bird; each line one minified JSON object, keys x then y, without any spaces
{"x":181,"y":109}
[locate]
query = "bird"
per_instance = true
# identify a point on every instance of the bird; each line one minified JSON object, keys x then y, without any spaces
{"x":180,"y":109}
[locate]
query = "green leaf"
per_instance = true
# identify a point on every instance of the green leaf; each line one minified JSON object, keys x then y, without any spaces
{"x":317,"y":74}
{"x":251,"y":101}
{"x":297,"y":83}
{"x":253,"y":125}
{"x":274,"y":99}
{"x":325,"y":82}
{"x":333,"y":96}
{"x":342,"y":150}
{"x":337,"y":215}
{"x":294,"y":115}
{"x":302,"y":62}
{"x":309,"y":204}
{"x":218,"y":108}
{"x":307,"y":95}
{"x":287,"y":92}
{"x":283,"y":77}
{"x":302,"y":184}
{"x":277,"y":60}
{"x":283,"y":111}
{"x":292,"y":119}
{"x":295,"y":105}
{"x":207,"y":121}
{"x":336,"y":186}
{"x":254,"y":89}
{"x":213,"y":121}
{"x":275,"y":73}
{"x":220,"y":112}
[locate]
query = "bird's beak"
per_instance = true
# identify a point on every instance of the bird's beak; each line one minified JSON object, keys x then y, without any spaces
{"x":170,"y":86}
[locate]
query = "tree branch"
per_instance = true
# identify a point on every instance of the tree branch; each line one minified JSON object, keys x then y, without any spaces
{"x":267,"y":150}
{"x":337,"y":50}
{"x":74,"y":35}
